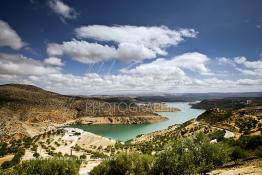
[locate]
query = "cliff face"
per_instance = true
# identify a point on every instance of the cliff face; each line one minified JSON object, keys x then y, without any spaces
{"x":26,"y":108}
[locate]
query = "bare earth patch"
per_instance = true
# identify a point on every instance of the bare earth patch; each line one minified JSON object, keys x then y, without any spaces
{"x":253,"y":167}
{"x":6,"y":158}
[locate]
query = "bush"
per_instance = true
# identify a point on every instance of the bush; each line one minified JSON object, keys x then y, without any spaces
{"x":16,"y":160}
{"x":259,"y":152}
{"x":250,"y":142}
{"x":7,"y":164}
{"x":77,"y":148}
{"x":192,"y":155}
{"x":36,"y":155}
{"x":83,"y":156}
{"x":219,"y":135}
{"x":53,"y":166}
{"x":125,"y":163}
{"x":238,"y":153}
{"x":246,"y":124}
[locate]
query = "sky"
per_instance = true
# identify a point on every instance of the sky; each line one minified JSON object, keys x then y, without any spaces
{"x":113,"y":47}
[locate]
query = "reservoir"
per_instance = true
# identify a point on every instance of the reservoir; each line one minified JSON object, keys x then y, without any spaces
{"x":123,"y":132}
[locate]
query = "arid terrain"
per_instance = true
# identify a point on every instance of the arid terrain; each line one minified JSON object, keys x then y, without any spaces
{"x":27,"y":110}
{"x":36,"y":124}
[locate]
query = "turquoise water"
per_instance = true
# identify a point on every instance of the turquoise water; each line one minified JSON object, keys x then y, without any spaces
{"x":124,"y":132}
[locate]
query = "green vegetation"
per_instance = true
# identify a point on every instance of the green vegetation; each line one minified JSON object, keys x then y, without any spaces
{"x":246,"y":124}
{"x":125,"y":163}
{"x":185,"y":156}
{"x":192,"y":155}
{"x":249,"y":142}
{"x":218,"y":135}
{"x":52,"y":166}
{"x":245,"y":147}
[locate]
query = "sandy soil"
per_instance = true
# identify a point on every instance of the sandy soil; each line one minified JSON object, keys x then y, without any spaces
{"x":6,"y":158}
{"x":64,"y":144}
{"x":253,"y":167}
{"x":87,"y":140}
{"x":86,"y":168}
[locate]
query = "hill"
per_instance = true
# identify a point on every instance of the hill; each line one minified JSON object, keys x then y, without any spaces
{"x":229,"y":103}
{"x":26,"y":110}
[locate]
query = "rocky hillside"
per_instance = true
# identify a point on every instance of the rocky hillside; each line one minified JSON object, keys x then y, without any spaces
{"x":26,"y":109}
{"x":244,"y":120}
{"x":229,"y":103}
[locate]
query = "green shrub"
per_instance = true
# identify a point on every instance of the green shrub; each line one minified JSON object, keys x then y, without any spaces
{"x":52,"y":166}
{"x":7,"y":164}
{"x":36,"y":155}
{"x":77,"y":148}
{"x":238,"y":153}
{"x":259,"y":152}
{"x":96,"y":154}
{"x":83,"y":156}
{"x":250,"y":142}
{"x":192,"y":155}
{"x":125,"y":163}
{"x":246,"y":124}
{"x":218,"y":134}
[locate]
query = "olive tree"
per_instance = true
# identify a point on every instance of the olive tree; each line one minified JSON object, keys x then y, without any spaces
{"x":190,"y":156}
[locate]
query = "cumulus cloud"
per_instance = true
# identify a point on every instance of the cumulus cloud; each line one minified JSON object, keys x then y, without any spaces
{"x":159,"y":76}
{"x":86,"y":52}
{"x":9,"y":37}
{"x":240,"y":60}
{"x":194,"y":61}
{"x":154,"y":37}
{"x":63,"y":10}
{"x":19,"y":65}
{"x":53,"y":61}
{"x":251,"y":67}
{"x":224,"y":60}
{"x":130,"y":43}
{"x":82,"y":51}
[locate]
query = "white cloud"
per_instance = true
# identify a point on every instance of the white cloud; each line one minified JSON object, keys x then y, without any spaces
{"x":53,"y":61}
{"x":83,"y":51}
{"x":86,"y":52}
{"x":250,"y":82}
{"x":19,"y":65}
{"x":224,"y":60}
{"x":133,"y":43}
{"x":253,"y":64}
{"x":159,"y":76}
{"x":240,"y":60}
{"x":251,"y":67}
{"x":194,"y":61}
{"x":246,"y":71}
{"x":62,"y":9}
{"x":9,"y":37}
{"x":154,"y":38}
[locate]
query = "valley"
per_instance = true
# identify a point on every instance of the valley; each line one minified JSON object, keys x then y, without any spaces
{"x":31,"y":131}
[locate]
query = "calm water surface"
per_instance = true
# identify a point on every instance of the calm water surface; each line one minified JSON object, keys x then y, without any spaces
{"x":124,"y":132}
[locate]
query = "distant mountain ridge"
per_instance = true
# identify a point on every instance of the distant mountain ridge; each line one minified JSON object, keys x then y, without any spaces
{"x":189,"y":97}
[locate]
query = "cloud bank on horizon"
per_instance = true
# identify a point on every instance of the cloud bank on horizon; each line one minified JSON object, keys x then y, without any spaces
{"x":145,"y":52}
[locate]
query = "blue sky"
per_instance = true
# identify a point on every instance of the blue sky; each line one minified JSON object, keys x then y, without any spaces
{"x":132,"y":47}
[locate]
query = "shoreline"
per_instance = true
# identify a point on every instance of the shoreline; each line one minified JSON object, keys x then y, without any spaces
{"x":148,"y":119}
